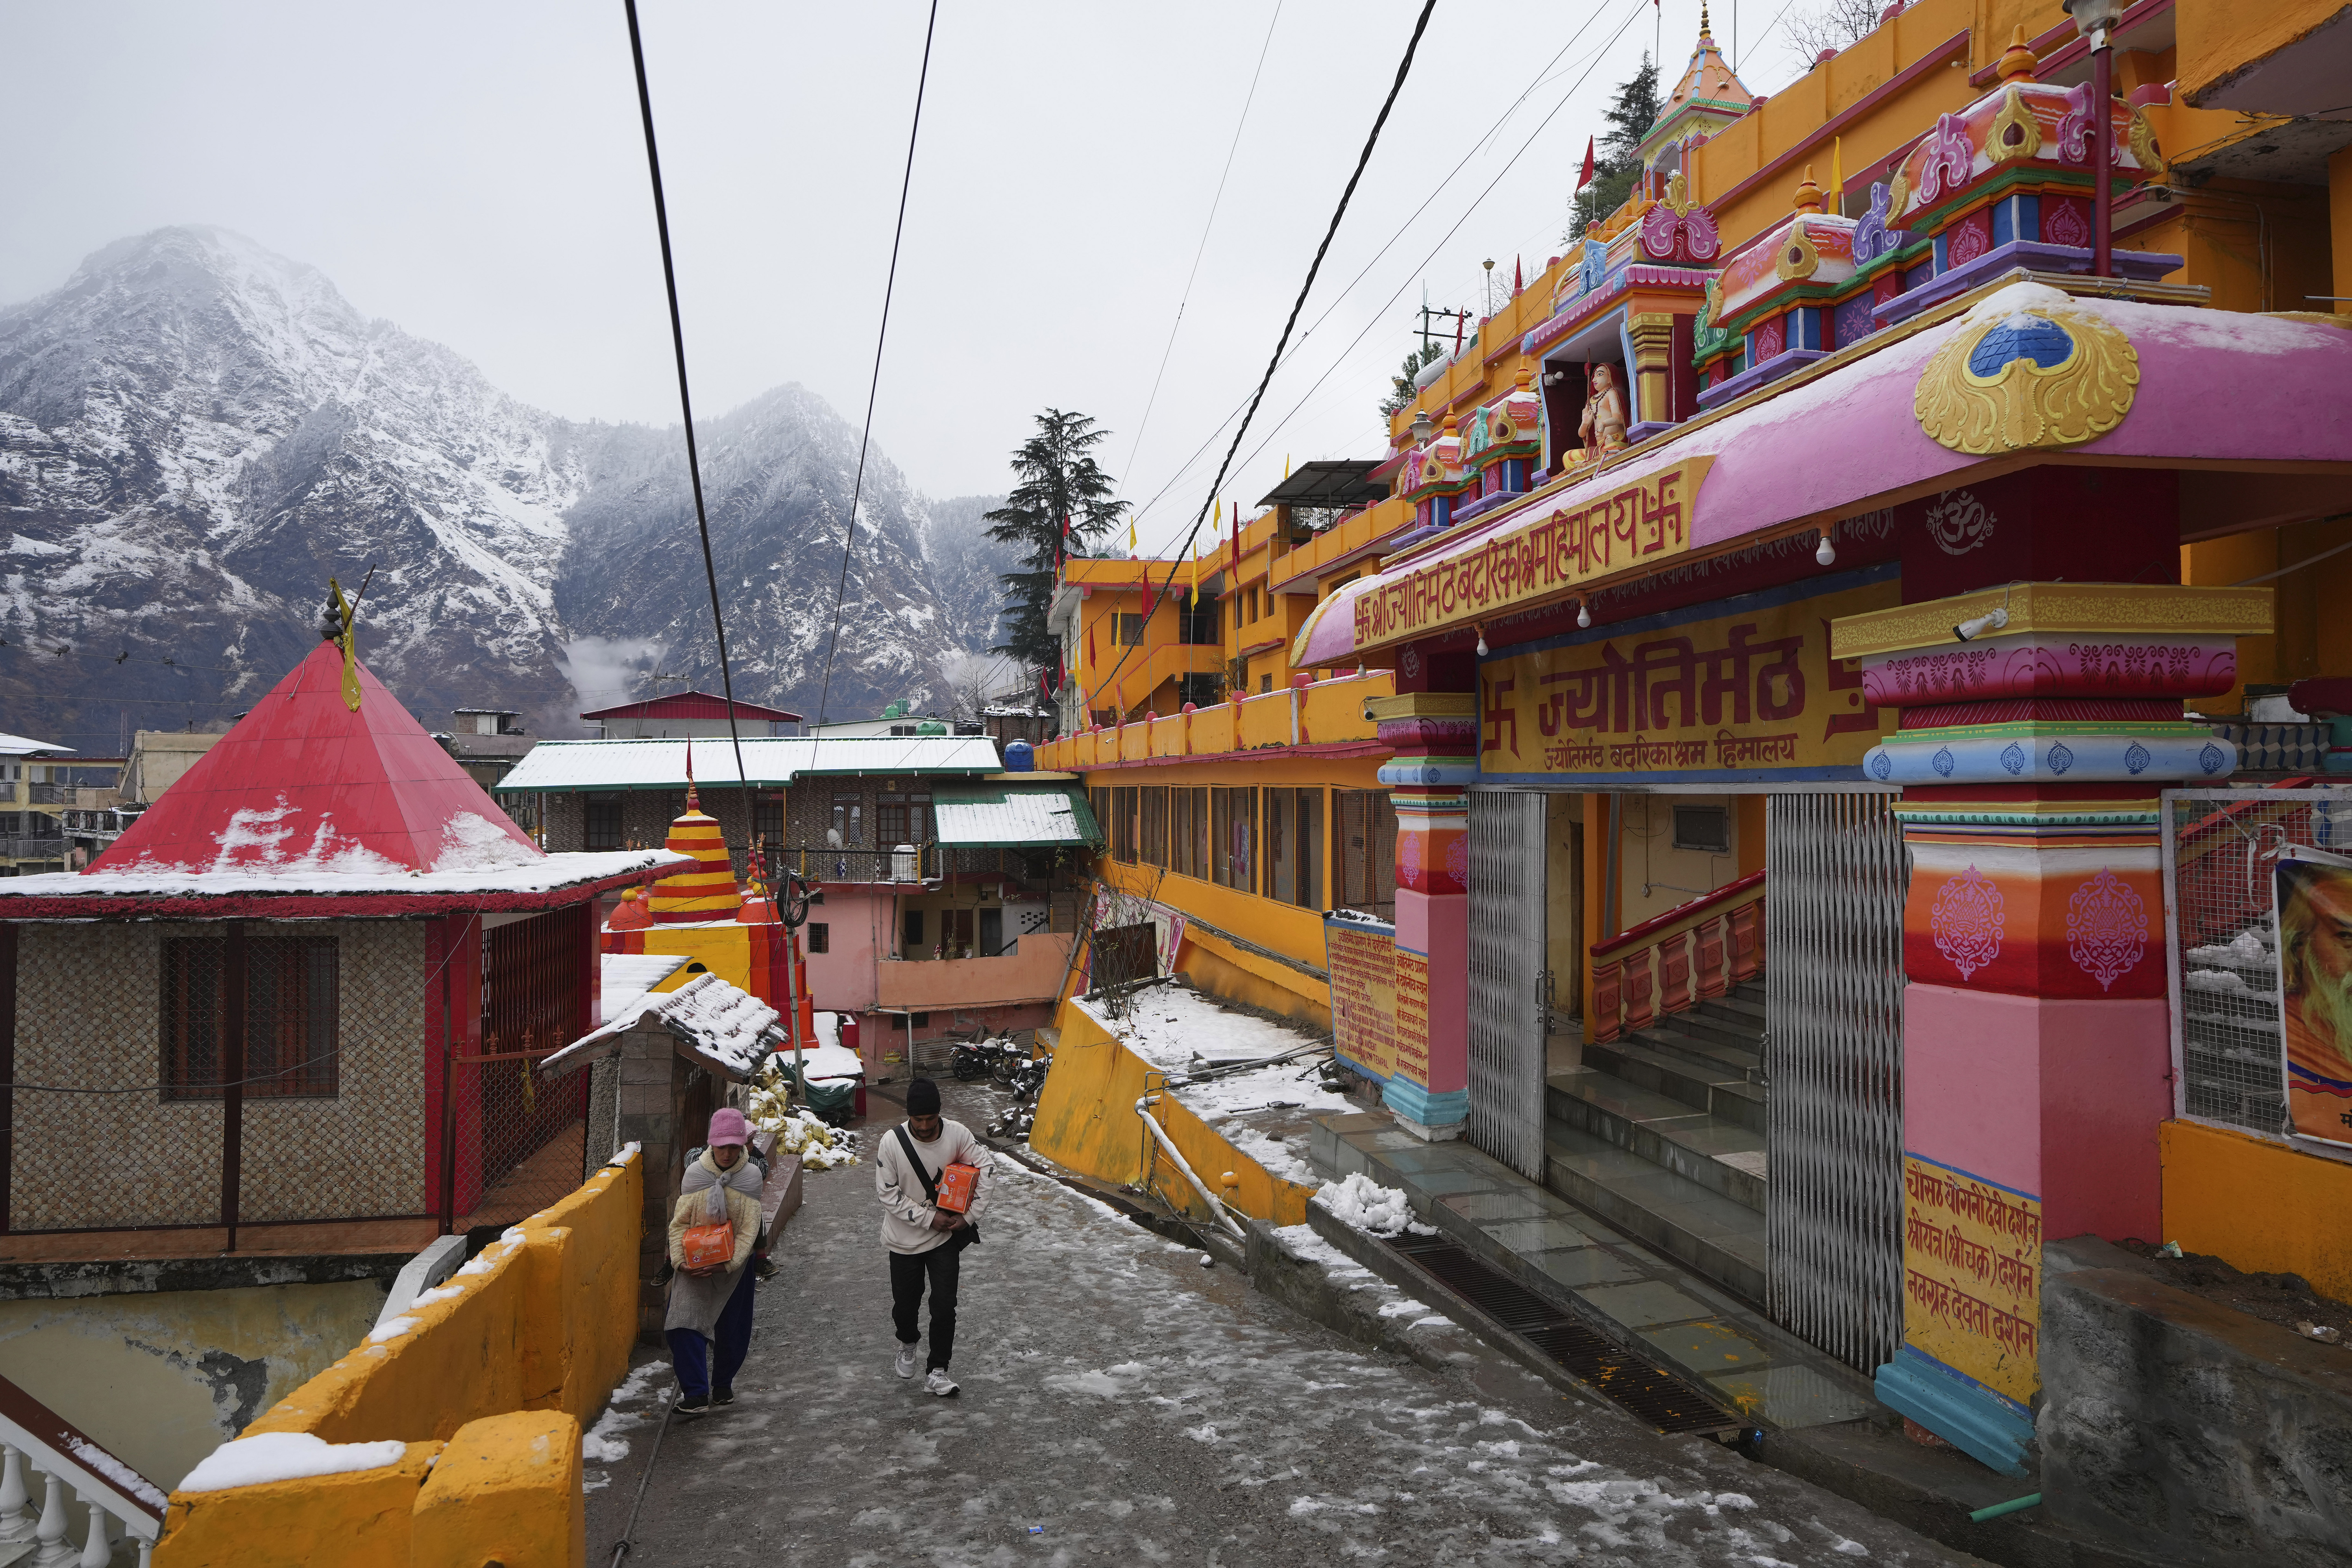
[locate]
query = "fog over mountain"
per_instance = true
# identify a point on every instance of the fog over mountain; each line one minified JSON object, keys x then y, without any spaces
{"x":195,"y":434}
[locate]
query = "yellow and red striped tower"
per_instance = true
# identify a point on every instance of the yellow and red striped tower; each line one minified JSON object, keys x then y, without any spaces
{"x":709,"y":892}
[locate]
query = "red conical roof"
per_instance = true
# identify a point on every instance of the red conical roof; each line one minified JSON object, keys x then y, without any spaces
{"x":303,"y":785}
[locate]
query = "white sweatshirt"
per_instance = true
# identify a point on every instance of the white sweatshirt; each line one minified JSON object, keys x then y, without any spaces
{"x":906,"y":1211}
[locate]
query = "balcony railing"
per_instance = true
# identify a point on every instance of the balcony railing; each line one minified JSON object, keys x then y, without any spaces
{"x":32,"y":1434}
{"x":1671,"y":963}
{"x":1321,"y":713}
{"x":927,"y":864}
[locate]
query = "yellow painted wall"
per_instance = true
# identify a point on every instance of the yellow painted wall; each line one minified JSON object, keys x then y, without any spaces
{"x":2218,"y":37}
{"x":2261,"y":1205}
{"x":541,"y":1324}
{"x":1087,"y":1122}
{"x":162,"y":1379}
{"x":723,"y":948}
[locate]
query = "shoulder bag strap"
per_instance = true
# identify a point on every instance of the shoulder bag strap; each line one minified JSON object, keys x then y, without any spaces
{"x":930,"y":1187}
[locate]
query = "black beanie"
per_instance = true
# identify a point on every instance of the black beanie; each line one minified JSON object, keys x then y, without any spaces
{"x":922,"y":1098}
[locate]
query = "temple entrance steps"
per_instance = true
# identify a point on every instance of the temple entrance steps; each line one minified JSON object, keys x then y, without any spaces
{"x":1661,"y":1132}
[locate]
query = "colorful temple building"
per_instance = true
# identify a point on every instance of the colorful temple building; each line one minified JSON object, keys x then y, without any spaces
{"x":1844,"y":600}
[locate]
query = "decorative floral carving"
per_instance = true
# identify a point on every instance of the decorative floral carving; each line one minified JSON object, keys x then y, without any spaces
{"x":1958,"y":522}
{"x":1408,"y":861}
{"x":2063,"y":222}
{"x":1881,"y":764}
{"x":1943,"y":761}
{"x":2045,"y":377}
{"x":2015,"y":134}
{"x":2107,"y":928}
{"x":1968,"y":922}
{"x":2211,"y":759}
{"x":1686,"y":234}
{"x":1458,"y":859}
{"x":2013,"y":757}
{"x":2074,"y":126}
{"x":1970,"y":237}
{"x":2061,"y":757}
{"x":1950,"y":159}
{"x":1874,"y":236}
{"x":1771,"y":338}
{"x":2141,"y":140}
{"x":1799,"y":256}
{"x":2135,"y":759}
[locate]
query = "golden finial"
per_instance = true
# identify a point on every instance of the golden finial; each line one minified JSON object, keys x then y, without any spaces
{"x":1809,"y":194}
{"x":2016,"y":61}
{"x":1703,"y":32}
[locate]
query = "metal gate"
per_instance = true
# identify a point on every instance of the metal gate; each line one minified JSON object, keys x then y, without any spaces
{"x":1508,"y":1001}
{"x":1835,"y":877}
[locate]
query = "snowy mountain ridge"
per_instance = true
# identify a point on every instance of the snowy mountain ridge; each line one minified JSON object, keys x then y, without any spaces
{"x":196,"y":433}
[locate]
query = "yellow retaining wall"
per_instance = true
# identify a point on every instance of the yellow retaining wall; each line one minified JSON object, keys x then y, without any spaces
{"x":2261,"y":1205}
{"x":1087,"y":1122}
{"x":500,"y":1376}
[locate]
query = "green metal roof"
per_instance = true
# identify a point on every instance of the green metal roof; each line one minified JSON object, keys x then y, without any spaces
{"x":1011,"y":818}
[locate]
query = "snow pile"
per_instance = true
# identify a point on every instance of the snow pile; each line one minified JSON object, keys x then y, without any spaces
{"x":130,"y":1481}
{"x":602,"y":1444}
{"x":802,"y":1133}
{"x":1364,"y":1204}
{"x":1184,"y":1032}
{"x":391,"y":1330}
{"x":472,"y":842}
{"x":268,"y":1457}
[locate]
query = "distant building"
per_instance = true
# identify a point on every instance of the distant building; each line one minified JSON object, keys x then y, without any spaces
{"x":487,"y":742}
{"x":55,"y":813}
{"x":158,"y":758}
{"x":687,"y":713}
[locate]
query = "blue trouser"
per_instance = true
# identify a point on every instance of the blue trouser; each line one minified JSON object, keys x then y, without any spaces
{"x":687,"y":1348}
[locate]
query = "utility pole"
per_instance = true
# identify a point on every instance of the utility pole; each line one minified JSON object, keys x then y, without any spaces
{"x":1427,"y":315}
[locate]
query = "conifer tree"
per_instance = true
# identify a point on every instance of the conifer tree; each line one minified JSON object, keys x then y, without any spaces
{"x":1058,"y":479}
{"x":1402,"y":390}
{"x":1630,"y":118}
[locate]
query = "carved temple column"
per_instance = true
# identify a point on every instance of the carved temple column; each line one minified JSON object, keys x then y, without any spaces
{"x":1434,"y":734}
{"x":2037,"y":1056}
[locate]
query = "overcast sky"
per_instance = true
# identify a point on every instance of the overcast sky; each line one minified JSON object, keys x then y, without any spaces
{"x":476,"y":174}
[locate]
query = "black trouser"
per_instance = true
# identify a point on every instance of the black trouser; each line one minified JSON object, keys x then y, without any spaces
{"x":942,"y":1263}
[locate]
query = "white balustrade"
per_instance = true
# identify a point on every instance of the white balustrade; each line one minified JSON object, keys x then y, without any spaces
{"x":96,"y":1549}
{"x":54,"y":1552}
{"x":15,"y":1516}
{"x":34,"y":1437}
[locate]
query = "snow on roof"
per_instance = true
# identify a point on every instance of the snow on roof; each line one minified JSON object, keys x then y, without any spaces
{"x":546,"y":874}
{"x":306,"y":786}
{"x":1009,"y":818}
{"x":628,"y":976}
{"x":560,"y":766}
{"x":21,"y":746}
{"x":725,"y":1026}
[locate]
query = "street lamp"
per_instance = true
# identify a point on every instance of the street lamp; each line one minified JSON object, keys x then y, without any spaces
{"x":1423,"y":428}
{"x":2096,"y":20}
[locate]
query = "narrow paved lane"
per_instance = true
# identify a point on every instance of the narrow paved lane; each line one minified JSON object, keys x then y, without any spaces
{"x":1122,"y":1403}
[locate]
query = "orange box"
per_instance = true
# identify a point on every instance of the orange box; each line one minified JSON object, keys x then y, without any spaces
{"x":956,"y":1184}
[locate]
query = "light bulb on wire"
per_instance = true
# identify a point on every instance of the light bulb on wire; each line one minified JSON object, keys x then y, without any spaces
{"x":1482,"y":642}
{"x":1827,"y":553}
{"x":1583,"y":615}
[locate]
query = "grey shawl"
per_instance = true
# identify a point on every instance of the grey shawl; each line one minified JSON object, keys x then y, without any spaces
{"x":697,"y":1303}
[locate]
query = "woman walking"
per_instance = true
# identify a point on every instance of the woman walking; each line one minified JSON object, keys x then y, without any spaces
{"x":710,"y":1304}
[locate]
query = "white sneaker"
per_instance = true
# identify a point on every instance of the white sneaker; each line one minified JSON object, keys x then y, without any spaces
{"x":906,"y":1360}
{"x":939,"y":1383}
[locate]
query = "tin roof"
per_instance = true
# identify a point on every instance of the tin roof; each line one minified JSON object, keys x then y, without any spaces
{"x":685,"y":705}
{"x":1009,"y":817}
{"x":564,"y":767}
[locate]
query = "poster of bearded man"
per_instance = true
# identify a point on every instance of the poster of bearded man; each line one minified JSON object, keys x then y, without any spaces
{"x":2314,"y":893}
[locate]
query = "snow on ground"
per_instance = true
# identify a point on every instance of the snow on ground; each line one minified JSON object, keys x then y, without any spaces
{"x":1365,"y":1205}
{"x":1263,"y":1112}
{"x":1120,"y":1404}
{"x":602,"y":1443}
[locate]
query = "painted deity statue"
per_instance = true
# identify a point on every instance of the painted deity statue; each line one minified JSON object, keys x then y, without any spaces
{"x":1602,"y":428}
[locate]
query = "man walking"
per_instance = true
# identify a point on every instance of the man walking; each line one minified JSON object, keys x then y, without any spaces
{"x":927,"y":1242}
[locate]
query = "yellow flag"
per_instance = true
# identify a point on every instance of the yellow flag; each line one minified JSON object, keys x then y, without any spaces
{"x":1837,"y":174}
{"x":1131,"y":536}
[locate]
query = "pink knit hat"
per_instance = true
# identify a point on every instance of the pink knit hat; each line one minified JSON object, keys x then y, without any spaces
{"x":727,"y":1126}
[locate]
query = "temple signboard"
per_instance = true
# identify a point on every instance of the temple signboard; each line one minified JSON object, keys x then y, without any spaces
{"x":1641,"y":523}
{"x":1971,"y":1254}
{"x":1738,"y":690}
{"x":1359,"y":953}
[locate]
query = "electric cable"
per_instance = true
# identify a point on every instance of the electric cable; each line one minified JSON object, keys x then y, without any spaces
{"x":1404,"y":68}
{"x":1200,"y":251}
{"x":849,"y":535}
{"x":685,"y":400}
{"x":1543,"y":76}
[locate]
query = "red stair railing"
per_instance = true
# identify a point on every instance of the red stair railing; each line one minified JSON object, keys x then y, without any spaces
{"x":1671,"y":963}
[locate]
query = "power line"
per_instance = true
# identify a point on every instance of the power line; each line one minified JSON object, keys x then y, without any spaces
{"x":1404,"y":68}
{"x":1202,"y":249}
{"x":849,"y":535}
{"x":1542,"y":76}
{"x":685,"y":400}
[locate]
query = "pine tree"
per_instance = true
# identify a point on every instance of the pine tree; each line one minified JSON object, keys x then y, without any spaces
{"x":1058,"y":478}
{"x":1617,"y":166}
{"x":1403,"y":391}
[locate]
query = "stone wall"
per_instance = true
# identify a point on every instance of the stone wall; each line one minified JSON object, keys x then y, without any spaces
{"x":2186,"y":1431}
{"x":88,"y":1002}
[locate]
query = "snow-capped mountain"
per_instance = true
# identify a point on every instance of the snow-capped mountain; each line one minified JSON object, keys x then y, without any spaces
{"x":196,"y":433}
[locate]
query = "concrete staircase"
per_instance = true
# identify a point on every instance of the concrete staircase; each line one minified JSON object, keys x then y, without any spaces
{"x":1661,"y":1132}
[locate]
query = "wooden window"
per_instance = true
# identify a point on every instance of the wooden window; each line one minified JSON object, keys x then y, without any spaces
{"x":1294,"y":847}
{"x":1126,"y":631}
{"x":1198,"y":623}
{"x":1363,"y":852}
{"x":1187,"y":832}
{"x":820,"y":937}
{"x":602,"y":828}
{"x":1155,"y":824}
{"x":1123,"y":825}
{"x":292,"y":1015}
{"x":903,"y":819}
{"x":768,"y":818}
{"x":848,"y":828}
{"x":911,"y":934}
{"x":1233,"y":813}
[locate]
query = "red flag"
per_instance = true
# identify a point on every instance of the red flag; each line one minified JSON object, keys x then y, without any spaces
{"x":1518,"y":276}
{"x":1090,"y":644}
{"x":1585,"y":178}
